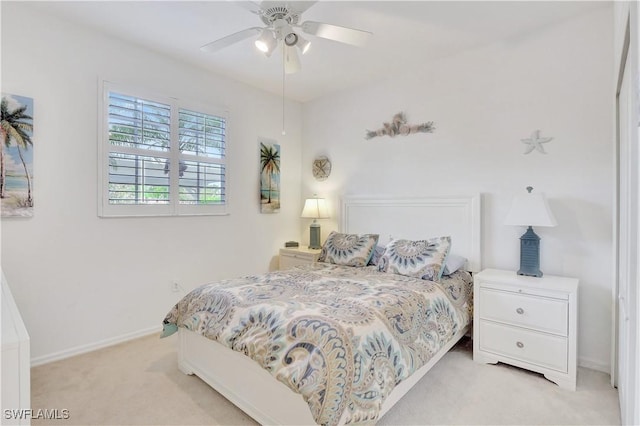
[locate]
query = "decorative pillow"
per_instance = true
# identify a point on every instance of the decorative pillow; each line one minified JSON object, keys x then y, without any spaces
{"x":420,"y":259}
{"x":453,"y":263}
{"x":348,"y":249}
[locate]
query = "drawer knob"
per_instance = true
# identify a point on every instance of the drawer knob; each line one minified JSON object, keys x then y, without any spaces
{"x":520,"y":345}
{"x":520,"y":311}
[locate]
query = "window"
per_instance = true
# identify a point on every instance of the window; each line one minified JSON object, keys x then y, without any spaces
{"x":142,"y":137}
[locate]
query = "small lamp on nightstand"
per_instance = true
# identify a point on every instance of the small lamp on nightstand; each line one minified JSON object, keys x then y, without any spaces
{"x":315,"y":208}
{"x":530,"y":210}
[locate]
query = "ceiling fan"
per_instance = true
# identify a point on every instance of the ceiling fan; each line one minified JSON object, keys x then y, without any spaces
{"x":281,"y":20}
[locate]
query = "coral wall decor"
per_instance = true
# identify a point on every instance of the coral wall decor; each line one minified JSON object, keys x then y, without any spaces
{"x":399,"y":126}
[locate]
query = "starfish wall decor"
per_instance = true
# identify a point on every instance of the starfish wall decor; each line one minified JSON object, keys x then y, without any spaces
{"x":535,"y":142}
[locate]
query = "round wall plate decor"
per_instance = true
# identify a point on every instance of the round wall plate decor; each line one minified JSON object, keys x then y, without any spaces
{"x":321,"y":168}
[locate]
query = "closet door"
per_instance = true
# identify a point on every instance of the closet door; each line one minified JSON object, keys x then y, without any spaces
{"x":628,"y":234}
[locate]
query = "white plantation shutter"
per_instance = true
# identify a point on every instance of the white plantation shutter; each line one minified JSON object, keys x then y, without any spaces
{"x":137,"y":179}
{"x":139,"y":142}
{"x":142,"y":137}
{"x":202,"y":158}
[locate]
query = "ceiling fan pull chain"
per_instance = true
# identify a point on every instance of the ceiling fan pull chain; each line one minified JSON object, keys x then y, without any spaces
{"x":283,"y":74}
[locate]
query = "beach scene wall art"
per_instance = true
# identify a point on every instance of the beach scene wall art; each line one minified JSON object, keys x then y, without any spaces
{"x":269,"y":177}
{"x":16,"y":156}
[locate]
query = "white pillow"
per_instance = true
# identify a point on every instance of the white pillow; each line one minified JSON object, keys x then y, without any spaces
{"x":453,"y":263}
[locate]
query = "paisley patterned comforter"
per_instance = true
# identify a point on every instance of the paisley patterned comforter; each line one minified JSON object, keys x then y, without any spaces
{"x":343,"y":337}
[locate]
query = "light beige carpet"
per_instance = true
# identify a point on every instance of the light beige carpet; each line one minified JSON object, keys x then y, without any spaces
{"x":138,"y":383}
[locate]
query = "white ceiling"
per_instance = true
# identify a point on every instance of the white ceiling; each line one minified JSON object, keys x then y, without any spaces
{"x":405,"y":34}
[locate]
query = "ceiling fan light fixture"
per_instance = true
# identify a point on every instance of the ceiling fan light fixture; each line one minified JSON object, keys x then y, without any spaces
{"x":291,"y":60}
{"x":303,"y":44}
{"x":267,"y":42}
{"x":280,"y":19}
{"x":291,"y":39}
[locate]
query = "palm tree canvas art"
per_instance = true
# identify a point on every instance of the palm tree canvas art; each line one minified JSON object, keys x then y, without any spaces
{"x":269,"y":177}
{"x":16,"y":156}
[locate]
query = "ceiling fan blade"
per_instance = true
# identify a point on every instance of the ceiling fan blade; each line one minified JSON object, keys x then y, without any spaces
{"x":251,"y":6}
{"x":291,"y":60}
{"x":300,"y":6}
{"x":336,"y":33}
{"x":223,"y":42}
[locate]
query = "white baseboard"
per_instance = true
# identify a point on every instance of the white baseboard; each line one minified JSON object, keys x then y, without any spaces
{"x":57,"y":356}
{"x":594,"y":365}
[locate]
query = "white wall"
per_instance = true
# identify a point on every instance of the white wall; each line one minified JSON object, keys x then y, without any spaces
{"x":81,"y":281}
{"x":557,"y":80}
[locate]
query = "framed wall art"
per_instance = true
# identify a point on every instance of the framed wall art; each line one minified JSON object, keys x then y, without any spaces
{"x":269,"y":177}
{"x":16,"y":156}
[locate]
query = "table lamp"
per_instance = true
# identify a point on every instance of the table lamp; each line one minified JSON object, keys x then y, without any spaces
{"x":530,"y":210}
{"x":315,"y":208}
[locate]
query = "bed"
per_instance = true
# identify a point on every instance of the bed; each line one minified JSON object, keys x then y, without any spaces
{"x":331,"y":343}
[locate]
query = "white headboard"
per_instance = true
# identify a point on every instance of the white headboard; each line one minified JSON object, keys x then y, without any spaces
{"x":419,"y":218}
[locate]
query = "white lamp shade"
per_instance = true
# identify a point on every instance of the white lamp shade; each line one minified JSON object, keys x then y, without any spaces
{"x":530,"y":210}
{"x":291,"y":60}
{"x":267,"y":42}
{"x":303,"y":44}
{"x":315,"y":208}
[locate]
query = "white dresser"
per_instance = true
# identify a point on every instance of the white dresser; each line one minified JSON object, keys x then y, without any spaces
{"x":294,"y":256}
{"x":15,"y":371}
{"x":528,"y":322}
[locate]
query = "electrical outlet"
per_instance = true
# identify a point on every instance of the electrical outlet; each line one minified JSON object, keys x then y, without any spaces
{"x":174,"y":286}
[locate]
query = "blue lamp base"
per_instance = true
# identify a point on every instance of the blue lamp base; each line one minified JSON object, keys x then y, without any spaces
{"x":314,"y":236}
{"x":530,"y":254}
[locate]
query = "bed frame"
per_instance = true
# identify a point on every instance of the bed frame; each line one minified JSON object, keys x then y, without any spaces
{"x":252,"y":389}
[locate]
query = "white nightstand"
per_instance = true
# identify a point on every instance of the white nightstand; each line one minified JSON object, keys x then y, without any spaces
{"x":528,"y":322}
{"x":294,"y":256}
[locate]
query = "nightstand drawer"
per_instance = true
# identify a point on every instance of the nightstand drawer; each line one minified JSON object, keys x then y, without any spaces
{"x":287,"y":262}
{"x":309,"y":257}
{"x":542,"y":314}
{"x":292,"y":257}
{"x":531,"y":347}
